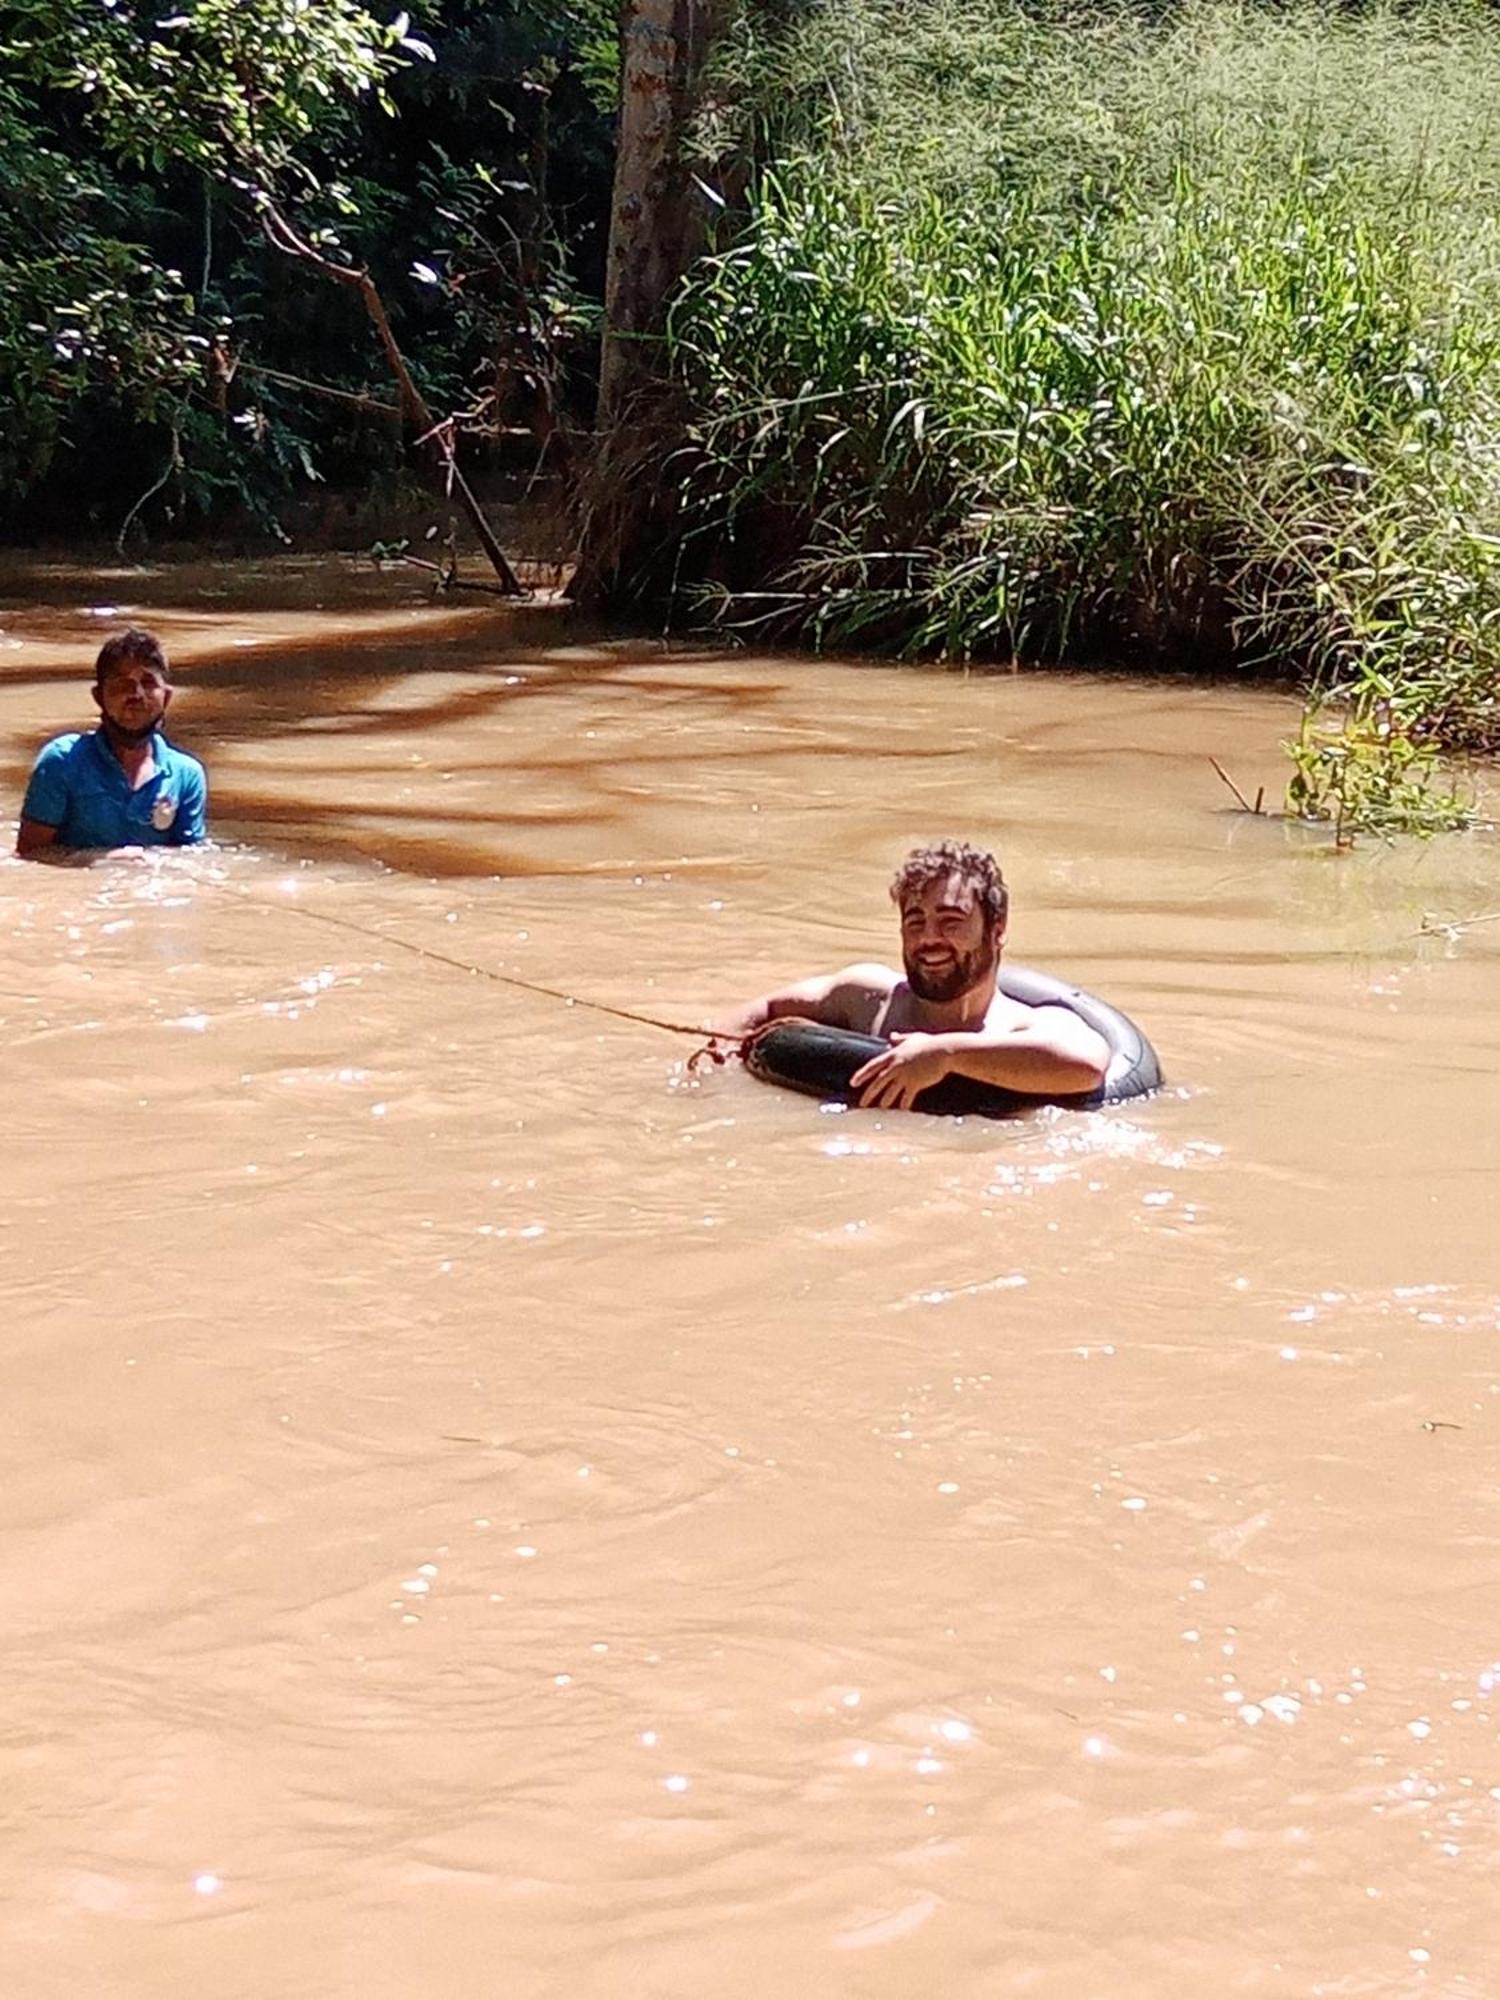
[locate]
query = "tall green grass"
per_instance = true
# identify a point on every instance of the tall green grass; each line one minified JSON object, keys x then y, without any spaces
{"x":1086,"y":331}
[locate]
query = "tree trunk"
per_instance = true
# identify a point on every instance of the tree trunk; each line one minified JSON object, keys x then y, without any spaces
{"x":655,"y":222}
{"x":656,"y":229}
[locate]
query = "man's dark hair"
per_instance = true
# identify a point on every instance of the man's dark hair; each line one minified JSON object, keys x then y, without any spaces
{"x":977,"y":870}
{"x":134,"y":643}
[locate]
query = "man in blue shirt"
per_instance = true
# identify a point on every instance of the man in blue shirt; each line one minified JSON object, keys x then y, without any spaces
{"x":122,"y":785}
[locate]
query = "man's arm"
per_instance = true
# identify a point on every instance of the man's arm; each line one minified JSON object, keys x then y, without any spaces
{"x":45,"y":805}
{"x":36,"y":841}
{"x":848,"y":998}
{"x":1050,"y":1054}
{"x":33,"y":839}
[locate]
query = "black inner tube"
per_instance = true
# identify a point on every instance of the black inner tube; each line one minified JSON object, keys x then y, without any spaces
{"x":819,"y":1061}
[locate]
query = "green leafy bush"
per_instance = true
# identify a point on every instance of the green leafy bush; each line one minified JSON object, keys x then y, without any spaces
{"x":1098,"y":331}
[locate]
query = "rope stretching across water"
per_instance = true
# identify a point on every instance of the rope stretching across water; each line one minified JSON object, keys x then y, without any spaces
{"x":710,"y":1043}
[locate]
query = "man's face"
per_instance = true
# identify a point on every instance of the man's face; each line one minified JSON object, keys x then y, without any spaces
{"x":132,"y":698}
{"x":946,"y":946}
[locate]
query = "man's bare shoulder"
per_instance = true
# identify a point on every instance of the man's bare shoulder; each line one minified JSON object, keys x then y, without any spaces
{"x":1050,"y":1025}
{"x":1005,"y":1016}
{"x":853,"y":996}
{"x":868,"y":977}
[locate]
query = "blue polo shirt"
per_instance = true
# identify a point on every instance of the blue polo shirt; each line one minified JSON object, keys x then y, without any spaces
{"x":79,"y":786}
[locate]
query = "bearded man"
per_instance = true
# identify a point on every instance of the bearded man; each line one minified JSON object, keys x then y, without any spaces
{"x":123,"y":786}
{"x":945,"y":1017}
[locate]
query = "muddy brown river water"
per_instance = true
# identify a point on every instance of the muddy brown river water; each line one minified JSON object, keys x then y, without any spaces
{"x":489,"y":1513}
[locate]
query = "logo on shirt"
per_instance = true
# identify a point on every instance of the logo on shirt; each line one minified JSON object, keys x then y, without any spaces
{"x":163,"y":812}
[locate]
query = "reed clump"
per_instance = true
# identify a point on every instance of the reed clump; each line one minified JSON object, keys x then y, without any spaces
{"x":1090,"y":331}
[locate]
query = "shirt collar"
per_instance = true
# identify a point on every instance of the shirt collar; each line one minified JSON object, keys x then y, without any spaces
{"x":111,"y":761}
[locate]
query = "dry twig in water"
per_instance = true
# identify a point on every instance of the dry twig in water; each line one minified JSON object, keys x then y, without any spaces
{"x":1260,"y":795}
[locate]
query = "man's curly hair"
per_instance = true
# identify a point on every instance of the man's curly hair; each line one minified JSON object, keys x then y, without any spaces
{"x":977,"y":870}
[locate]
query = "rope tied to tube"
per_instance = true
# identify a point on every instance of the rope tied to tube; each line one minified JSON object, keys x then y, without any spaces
{"x":715,"y":1048}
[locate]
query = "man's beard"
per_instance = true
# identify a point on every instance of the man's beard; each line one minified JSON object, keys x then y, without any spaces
{"x":968,"y":970}
{"x":132,"y":738}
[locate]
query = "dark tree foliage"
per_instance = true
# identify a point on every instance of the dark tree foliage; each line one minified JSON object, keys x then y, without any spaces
{"x":149,"y":330}
{"x":94,"y":324}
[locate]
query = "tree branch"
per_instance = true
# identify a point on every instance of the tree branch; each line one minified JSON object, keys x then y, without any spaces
{"x":436,"y":438}
{"x":355,"y":401}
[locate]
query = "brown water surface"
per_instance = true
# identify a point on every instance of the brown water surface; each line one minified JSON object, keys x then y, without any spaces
{"x":490,"y":1513}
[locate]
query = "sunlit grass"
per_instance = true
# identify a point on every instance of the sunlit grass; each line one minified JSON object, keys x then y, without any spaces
{"x":1074,"y":332}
